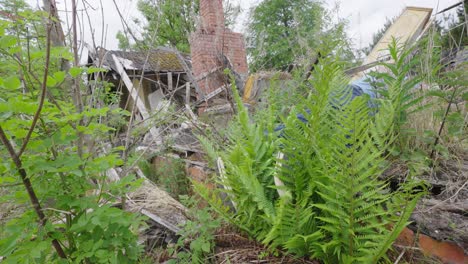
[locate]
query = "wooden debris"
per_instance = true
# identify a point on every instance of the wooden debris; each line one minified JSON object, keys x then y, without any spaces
{"x":212,"y":94}
{"x":157,"y":205}
{"x":187,"y":69}
{"x":134,"y":94}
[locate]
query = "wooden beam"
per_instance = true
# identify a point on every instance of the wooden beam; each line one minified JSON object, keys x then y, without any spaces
{"x":211,"y":95}
{"x":187,"y":93}
{"x":161,"y":221}
{"x":219,"y":109}
{"x":169,"y":81}
{"x":190,"y":75}
{"x":134,"y":94}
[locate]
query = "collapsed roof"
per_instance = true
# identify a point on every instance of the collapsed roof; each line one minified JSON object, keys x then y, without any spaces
{"x":161,"y":59}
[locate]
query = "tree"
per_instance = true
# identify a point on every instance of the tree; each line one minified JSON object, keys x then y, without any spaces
{"x":13,"y":6}
{"x":279,"y":32}
{"x":170,"y":22}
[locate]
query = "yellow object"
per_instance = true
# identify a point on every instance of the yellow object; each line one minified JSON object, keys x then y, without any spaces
{"x":248,"y":89}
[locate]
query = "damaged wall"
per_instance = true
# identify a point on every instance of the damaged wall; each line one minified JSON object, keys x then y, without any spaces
{"x":211,"y":43}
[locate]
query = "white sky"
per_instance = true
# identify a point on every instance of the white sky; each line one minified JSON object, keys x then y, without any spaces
{"x":365,"y":16}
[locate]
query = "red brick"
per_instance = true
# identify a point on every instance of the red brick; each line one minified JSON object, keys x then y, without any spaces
{"x":212,"y":40}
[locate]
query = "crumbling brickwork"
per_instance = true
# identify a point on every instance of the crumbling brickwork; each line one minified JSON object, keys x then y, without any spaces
{"x":211,"y":42}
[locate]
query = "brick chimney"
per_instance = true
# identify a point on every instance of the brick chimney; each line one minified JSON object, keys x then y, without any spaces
{"x":210,"y":43}
{"x":212,"y":15}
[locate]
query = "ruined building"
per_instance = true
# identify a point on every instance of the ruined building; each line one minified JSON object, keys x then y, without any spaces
{"x":214,"y":47}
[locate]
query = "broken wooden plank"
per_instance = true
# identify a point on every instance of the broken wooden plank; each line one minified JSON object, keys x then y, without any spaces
{"x":212,"y":94}
{"x":187,"y":93}
{"x":279,"y":183}
{"x":406,"y":28}
{"x":219,"y":109}
{"x":191,"y":113}
{"x":187,"y":69}
{"x":160,"y":221}
{"x":222,"y":177}
{"x":186,"y":148}
{"x":134,"y":94}
{"x":158,"y":205}
{"x":113,"y":175}
{"x":129,"y":85}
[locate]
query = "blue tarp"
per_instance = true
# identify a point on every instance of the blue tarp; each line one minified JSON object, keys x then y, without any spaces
{"x":358,"y":88}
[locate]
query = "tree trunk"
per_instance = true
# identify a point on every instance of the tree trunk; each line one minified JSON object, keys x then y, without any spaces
{"x":57,"y":36}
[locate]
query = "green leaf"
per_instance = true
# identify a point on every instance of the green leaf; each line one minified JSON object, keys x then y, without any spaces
{"x":7,"y":245}
{"x":75,"y":71}
{"x":51,"y":82}
{"x":465,"y":96}
{"x":91,"y":70}
{"x":12,"y":83}
{"x":59,"y":76}
{"x":437,"y":93}
{"x":8,"y":41}
{"x":206,"y":247}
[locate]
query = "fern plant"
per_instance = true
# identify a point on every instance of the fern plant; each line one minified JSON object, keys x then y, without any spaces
{"x":398,"y":82}
{"x":323,"y":199}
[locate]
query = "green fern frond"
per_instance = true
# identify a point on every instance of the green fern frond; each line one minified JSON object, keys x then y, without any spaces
{"x":379,"y":251}
{"x":333,"y":205}
{"x":209,"y":148}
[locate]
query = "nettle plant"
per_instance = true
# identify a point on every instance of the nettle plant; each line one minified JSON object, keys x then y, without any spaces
{"x":312,"y":189}
{"x":52,"y":167}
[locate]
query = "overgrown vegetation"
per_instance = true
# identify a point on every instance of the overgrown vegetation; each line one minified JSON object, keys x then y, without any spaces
{"x":53,"y":169}
{"x":313,"y":189}
{"x":196,"y":242}
{"x":302,"y":174}
{"x":286,"y":34}
{"x":169,"y":173}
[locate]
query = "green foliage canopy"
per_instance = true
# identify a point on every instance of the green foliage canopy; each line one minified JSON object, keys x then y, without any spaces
{"x":170,"y":22}
{"x":278,"y":32}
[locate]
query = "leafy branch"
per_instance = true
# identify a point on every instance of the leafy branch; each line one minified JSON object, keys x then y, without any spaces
{"x":16,"y":157}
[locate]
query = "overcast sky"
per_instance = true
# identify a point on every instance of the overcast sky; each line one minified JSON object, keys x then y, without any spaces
{"x":365,"y":16}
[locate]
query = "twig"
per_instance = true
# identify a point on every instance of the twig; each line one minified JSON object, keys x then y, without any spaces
{"x":447,"y":111}
{"x":400,"y":256}
{"x":446,"y":200}
{"x":76,"y":81}
{"x":57,"y":210}
{"x":43,"y":94}
{"x":129,"y":30}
